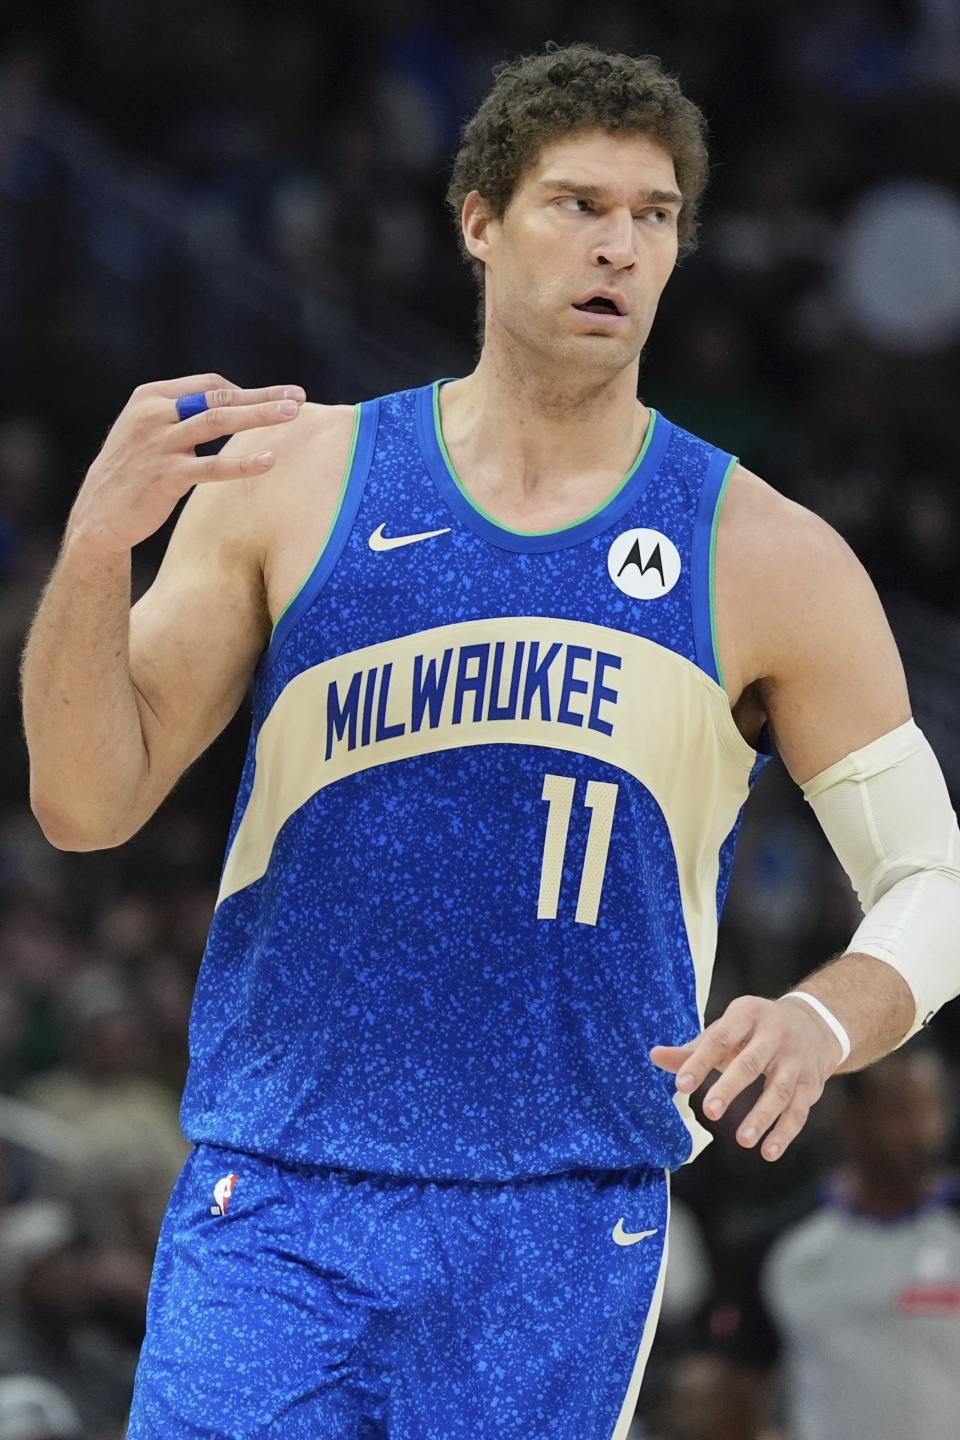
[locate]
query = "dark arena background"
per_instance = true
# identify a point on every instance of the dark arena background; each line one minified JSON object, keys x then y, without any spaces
{"x":258,"y":190}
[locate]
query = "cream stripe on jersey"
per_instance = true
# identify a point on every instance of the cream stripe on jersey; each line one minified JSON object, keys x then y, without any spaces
{"x":670,"y":727}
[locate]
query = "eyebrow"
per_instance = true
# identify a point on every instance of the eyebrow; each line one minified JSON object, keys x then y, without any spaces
{"x":597,"y":192}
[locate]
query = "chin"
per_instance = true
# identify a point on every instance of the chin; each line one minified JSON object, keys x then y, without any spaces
{"x":608,"y":351}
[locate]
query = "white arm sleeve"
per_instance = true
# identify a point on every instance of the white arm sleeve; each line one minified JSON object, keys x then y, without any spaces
{"x":886,"y":813}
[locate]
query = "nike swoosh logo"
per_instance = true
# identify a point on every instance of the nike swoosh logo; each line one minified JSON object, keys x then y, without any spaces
{"x":622,"y":1238}
{"x":379,"y":541}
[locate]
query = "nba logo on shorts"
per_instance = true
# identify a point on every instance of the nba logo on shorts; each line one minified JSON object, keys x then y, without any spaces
{"x":221,"y":1193}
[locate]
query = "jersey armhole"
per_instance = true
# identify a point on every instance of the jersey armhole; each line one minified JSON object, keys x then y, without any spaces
{"x":351,"y":489}
{"x":704,"y":560}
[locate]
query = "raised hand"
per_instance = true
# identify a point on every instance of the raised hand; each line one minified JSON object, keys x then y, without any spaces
{"x":148,"y":461}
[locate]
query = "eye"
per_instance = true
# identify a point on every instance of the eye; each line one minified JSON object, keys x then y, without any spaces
{"x":573,"y":204}
{"x":663,"y":217}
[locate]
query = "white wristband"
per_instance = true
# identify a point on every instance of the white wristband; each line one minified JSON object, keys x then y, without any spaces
{"x":825,"y":1015}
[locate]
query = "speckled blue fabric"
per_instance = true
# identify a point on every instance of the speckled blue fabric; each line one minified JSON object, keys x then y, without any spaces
{"x":385,"y":998}
{"x":333,"y":1305}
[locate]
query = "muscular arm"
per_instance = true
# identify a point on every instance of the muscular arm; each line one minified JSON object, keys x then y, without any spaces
{"x":119,"y":702}
{"x":808,"y":633}
{"x":804,"y":644}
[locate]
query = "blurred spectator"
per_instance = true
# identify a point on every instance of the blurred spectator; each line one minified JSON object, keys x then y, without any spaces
{"x":128,"y":1145}
{"x":33,"y":1409}
{"x":73,"y":1312}
{"x":860,"y":1301}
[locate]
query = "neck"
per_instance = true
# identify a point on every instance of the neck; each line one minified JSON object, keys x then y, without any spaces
{"x":544,"y":429}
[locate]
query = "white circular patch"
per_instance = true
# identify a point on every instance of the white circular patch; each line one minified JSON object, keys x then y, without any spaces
{"x":643,"y":564}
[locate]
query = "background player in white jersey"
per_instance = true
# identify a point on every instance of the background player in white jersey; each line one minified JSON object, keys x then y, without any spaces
{"x":577,"y":186}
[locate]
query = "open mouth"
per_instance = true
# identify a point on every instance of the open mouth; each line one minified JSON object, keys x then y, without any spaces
{"x":599,"y":305}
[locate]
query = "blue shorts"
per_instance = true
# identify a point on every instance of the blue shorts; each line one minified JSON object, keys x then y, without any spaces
{"x":321,"y":1304}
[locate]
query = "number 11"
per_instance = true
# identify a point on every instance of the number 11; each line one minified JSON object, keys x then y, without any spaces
{"x":558,"y":791}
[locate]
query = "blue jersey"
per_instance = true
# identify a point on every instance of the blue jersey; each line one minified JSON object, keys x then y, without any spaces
{"x":483,"y":829}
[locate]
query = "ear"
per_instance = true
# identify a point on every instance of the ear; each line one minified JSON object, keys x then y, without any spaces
{"x":477,"y":222}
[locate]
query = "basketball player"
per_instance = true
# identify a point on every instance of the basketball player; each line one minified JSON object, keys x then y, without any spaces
{"x":516,"y":641}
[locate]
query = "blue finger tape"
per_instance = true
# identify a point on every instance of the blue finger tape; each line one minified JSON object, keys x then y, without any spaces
{"x":189,"y":405}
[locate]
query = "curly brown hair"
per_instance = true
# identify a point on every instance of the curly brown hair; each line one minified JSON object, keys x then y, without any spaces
{"x":540,"y":98}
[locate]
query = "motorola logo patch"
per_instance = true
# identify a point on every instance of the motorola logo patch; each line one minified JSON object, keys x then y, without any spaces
{"x":643,"y":564}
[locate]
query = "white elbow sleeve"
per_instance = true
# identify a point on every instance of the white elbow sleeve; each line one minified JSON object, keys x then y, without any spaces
{"x":886,"y":813}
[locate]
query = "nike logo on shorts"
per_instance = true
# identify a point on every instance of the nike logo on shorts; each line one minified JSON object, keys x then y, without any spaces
{"x":379,"y":541}
{"x":623,"y":1238}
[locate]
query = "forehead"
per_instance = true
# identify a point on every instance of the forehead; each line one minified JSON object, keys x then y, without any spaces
{"x":619,"y":163}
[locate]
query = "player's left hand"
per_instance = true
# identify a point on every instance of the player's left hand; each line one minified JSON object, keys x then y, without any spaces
{"x":784,"y":1040}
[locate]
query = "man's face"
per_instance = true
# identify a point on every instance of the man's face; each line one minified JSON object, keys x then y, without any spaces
{"x":596,"y":213}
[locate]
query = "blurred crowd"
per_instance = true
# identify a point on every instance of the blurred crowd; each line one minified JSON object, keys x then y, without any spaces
{"x":258,"y":189}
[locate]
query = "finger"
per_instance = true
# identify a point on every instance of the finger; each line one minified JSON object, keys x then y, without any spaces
{"x":229,"y":467}
{"x":216,"y":389}
{"x":185,"y":385}
{"x":718,"y":1045}
{"x":787,"y":1129}
{"x":230,"y":419}
{"x":739,"y":1074}
{"x":779,"y":1093}
{"x":218,"y":399}
{"x":671,"y":1057}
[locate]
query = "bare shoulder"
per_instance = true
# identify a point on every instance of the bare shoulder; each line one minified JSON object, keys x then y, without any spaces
{"x":801,"y":631}
{"x":321,"y":422}
{"x":775,"y":536}
{"x":316,"y":445}
{"x":784,"y":578}
{"x":292,"y":506}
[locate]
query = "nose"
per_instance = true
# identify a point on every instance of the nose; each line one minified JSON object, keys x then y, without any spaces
{"x":616,"y":246}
